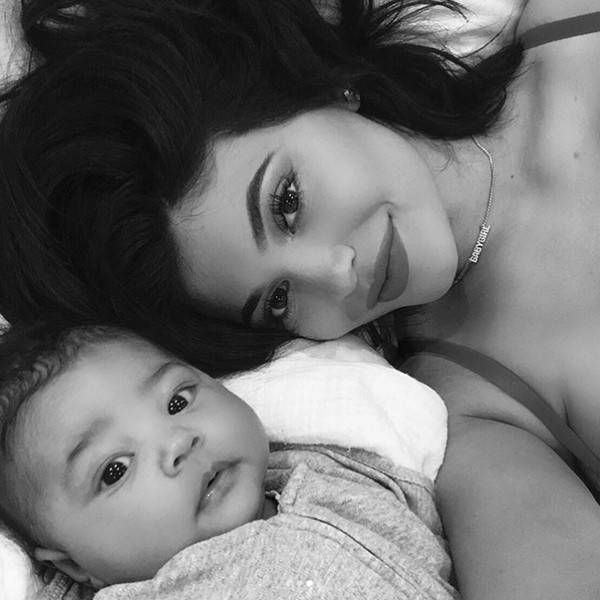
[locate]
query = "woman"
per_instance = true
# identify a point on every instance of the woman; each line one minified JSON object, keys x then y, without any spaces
{"x":495,"y":237}
{"x":115,"y":87}
{"x":151,"y":195}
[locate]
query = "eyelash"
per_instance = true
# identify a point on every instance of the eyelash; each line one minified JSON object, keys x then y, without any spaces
{"x":278,"y":199}
{"x":271,"y":305}
{"x":110,"y":465}
{"x":281,"y":214}
{"x":189,"y":390}
{"x":103,"y":485}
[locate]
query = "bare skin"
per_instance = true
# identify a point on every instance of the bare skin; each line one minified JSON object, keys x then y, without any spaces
{"x":520,"y":522}
{"x":532,"y":300}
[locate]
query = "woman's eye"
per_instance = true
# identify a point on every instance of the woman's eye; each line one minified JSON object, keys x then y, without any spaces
{"x":277,"y":304}
{"x":285,"y":206}
{"x":179,"y":401}
{"x":114,"y":470}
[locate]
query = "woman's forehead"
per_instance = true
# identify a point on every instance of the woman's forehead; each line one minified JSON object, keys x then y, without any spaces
{"x":223,"y":176}
{"x":234,"y":158}
{"x":213,"y":227}
{"x":210,"y":241}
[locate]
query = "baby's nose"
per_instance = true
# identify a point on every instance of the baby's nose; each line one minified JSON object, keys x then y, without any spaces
{"x":178,"y":447}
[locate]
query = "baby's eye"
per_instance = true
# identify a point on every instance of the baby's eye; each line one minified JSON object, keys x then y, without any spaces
{"x":285,"y":205}
{"x":277,"y":304}
{"x":114,"y":470}
{"x":179,"y":401}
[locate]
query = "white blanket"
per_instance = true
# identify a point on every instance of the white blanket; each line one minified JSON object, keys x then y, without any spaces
{"x":17,"y":581}
{"x":344,"y":393}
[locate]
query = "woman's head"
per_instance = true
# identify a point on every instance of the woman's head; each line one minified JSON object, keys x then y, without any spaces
{"x":114,"y":141}
{"x":317,"y":225}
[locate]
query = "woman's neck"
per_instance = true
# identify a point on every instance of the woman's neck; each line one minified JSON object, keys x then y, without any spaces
{"x":463,"y":175}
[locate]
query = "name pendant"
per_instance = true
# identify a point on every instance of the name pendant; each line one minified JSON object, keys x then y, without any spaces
{"x":481,"y":239}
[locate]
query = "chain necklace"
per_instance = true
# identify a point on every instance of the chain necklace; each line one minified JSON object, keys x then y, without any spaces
{"x":484,"y":229}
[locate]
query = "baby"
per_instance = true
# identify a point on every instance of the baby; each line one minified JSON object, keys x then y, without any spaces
{"x":122,"y":465}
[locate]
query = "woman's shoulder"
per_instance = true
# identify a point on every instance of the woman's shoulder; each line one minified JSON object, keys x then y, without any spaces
{"x":562,"y":42}
{"x":582,"y":383}
{"x":468,"y":395}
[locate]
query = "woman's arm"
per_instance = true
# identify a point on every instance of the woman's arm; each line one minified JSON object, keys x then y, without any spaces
{"x":520,"y":523}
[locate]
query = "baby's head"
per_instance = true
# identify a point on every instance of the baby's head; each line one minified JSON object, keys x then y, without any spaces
{"x":115,"y":455}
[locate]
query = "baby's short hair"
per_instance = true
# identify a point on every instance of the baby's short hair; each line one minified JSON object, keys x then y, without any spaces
{"x":31,"y":356}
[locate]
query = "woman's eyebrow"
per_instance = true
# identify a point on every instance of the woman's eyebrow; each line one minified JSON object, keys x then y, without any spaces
{"x":253,"y":204}
{"x":250,"y":306}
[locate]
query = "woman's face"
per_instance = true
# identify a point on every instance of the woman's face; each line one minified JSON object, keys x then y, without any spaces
{"x":317,"y":225}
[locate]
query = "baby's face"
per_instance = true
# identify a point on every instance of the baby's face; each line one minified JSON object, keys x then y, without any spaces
{"x":138,"y":456}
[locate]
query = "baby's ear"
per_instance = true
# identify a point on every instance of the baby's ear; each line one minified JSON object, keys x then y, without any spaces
{"x":63,"y":562}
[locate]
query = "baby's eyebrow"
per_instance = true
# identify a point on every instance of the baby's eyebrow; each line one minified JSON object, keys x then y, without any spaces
{"x":93,"y":431}
{"x":161,"y":372}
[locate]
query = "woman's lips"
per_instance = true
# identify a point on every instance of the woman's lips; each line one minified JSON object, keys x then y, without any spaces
{"x":391,"y":268}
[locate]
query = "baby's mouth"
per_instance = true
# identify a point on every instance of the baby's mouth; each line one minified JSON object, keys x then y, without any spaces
{"x":215,"y":483}
{"x":212,"y":485}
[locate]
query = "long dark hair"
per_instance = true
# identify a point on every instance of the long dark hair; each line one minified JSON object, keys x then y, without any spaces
{"x":114,"y":125}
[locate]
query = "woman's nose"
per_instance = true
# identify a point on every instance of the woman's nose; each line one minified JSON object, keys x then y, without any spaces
{"x":178,"y":447}
{"x":330,"y":270}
